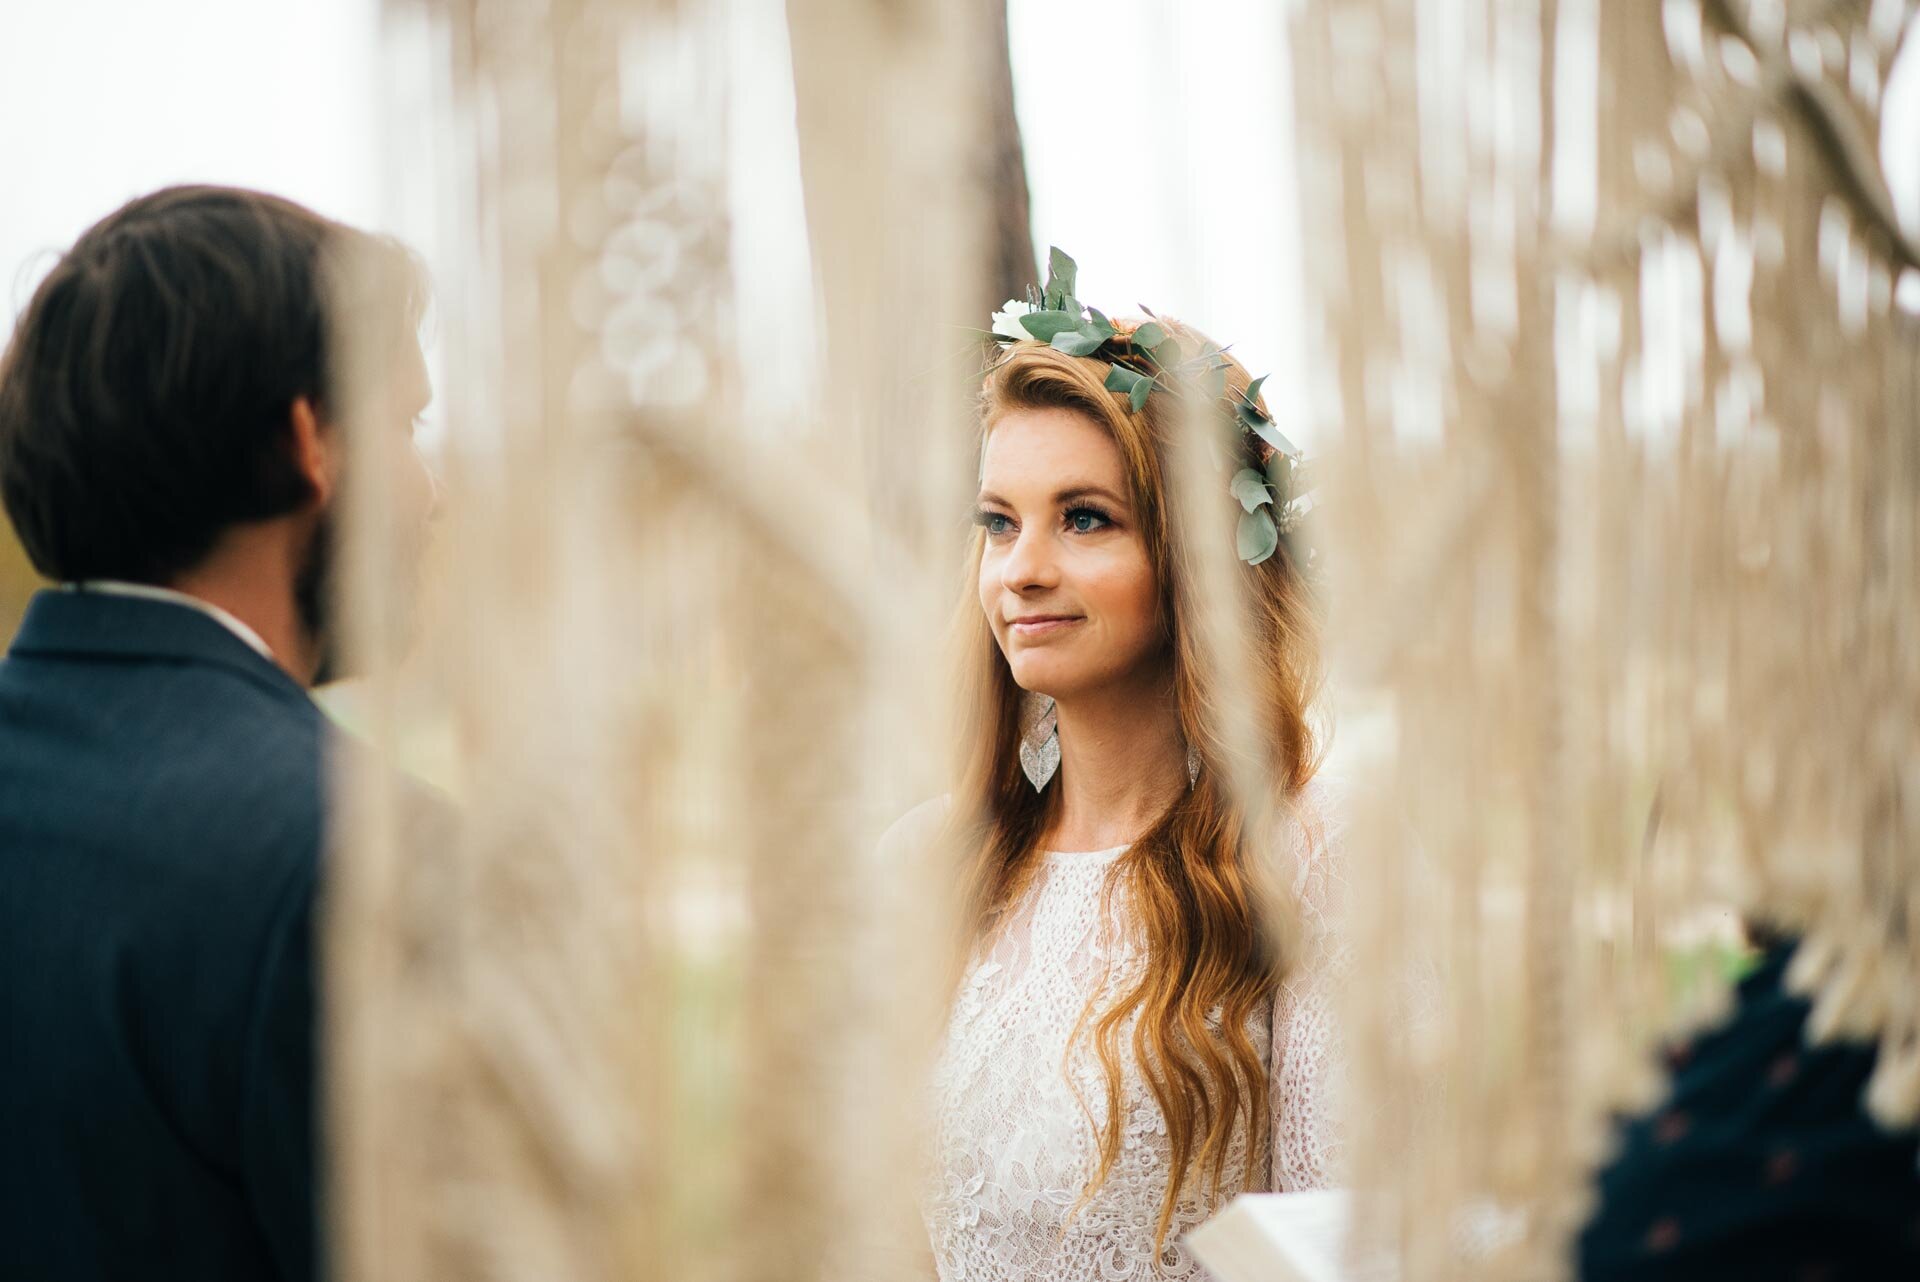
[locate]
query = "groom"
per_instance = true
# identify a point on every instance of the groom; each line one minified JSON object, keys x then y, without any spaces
{"x":171,"y":457}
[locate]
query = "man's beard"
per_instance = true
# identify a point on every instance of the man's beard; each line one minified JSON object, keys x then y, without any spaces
{"x":313,"y":596}
{"x":316,"y":597}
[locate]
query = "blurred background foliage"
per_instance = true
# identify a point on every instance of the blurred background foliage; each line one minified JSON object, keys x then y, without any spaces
{"x":17,"y":581}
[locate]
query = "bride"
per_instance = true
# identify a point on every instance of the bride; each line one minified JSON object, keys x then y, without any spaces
{"x":1141,"y":1027}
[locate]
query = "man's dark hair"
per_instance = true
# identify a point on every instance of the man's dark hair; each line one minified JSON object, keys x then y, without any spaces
{"x":146,"y":397}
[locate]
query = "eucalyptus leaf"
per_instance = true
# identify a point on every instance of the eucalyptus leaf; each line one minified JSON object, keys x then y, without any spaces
{"x":1141,"y":390}
{"x":1253,"y":390}
{"x":1167,"y":353}
{"x":1216,"y":381}
{"x":1257,"y":536}
{"x":1280,"y":476}
{"x":1062,"y":276}
{"x":1100,"y":324}
{"x":1122,"y":379}
{"x":1250,"y":488}
{"x":1078,"y":342}
{"x":1149,"y":336}
{"x":1271,"y":435}
{"x":1044,"y":325}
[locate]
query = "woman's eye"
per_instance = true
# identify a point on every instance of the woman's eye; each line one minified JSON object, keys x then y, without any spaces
{"x":1085,"y":520}
{"x":994,"y":523}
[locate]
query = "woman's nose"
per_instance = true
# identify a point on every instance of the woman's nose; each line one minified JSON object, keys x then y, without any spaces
{"x":1030,"y":563}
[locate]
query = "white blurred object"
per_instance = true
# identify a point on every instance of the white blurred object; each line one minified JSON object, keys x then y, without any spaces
{"x":1304,"y":1237}
{"x":1900,"y":153}
{"x":1281,"y":1237}
{"x":1900,"y":131}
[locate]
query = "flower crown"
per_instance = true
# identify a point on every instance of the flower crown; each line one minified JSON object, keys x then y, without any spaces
{"x":1270,"y":483}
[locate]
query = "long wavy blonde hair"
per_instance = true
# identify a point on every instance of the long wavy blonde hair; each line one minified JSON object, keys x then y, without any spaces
{"x":1199,"y":887}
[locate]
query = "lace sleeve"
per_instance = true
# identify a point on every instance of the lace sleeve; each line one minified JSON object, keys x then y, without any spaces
{"x":1308,"y":1065}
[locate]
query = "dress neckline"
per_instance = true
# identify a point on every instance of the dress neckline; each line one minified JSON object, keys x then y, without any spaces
{"x":1085,"y":856}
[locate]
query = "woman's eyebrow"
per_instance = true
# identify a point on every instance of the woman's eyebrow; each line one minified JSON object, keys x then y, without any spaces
{"x":1067,"y":495}
{"x":1089,"y":491}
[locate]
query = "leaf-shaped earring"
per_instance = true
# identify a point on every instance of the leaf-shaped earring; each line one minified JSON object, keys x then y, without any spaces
{"x":1039,"y":739}
{"x":1193,"y":766}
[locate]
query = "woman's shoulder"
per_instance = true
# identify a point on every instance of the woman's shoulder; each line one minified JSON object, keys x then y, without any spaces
{"x":1318,"y":822}
{"x":1317,"y":840}
{"x":1323,"y":799}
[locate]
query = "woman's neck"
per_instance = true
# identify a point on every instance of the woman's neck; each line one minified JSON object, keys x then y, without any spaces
{"x":1122,"y":761}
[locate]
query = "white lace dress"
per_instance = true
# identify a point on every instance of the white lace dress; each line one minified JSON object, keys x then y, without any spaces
{"x":1014,"y":1145}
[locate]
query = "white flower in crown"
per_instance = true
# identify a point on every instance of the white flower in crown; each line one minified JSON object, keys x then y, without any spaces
{"x":1006,"y":321}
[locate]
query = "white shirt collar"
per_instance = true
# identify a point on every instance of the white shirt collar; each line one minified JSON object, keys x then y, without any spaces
{"x":148,"y":592}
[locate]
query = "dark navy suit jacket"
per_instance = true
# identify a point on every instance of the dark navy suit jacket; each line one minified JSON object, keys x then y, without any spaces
{"x":160,"y":837}
{"x":1762,"y":1162}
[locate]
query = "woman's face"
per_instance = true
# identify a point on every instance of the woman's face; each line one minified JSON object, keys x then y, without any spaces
{"x":1065,"y":579}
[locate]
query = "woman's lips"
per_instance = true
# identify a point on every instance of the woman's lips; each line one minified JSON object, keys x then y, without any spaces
{"x":1040,"y":625}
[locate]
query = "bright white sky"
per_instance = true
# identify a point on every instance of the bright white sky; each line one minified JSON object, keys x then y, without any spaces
{"x":1194,"y":219}
{"x":105,"y":99}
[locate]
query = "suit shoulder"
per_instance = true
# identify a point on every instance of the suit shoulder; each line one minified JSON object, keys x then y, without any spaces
{"x":248,"y":780}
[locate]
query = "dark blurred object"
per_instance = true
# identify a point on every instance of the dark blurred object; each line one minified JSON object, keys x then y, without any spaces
{"x":1762,"y":1163}
{"x":160,"y":829}
{"x":1013,"y":264}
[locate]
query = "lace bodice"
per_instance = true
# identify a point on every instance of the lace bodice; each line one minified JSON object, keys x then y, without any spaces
{"x":1019,"y":1102}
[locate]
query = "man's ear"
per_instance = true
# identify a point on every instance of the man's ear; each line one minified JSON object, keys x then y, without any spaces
{"x":315,"y":451}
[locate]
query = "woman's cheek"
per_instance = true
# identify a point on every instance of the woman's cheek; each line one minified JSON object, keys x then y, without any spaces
{"x":989,"y":579}
{"x":1138,"y":600}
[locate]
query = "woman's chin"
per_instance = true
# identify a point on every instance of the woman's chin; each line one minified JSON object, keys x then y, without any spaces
{"x":1047,"y":679}
{"x":1036,"y":679}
